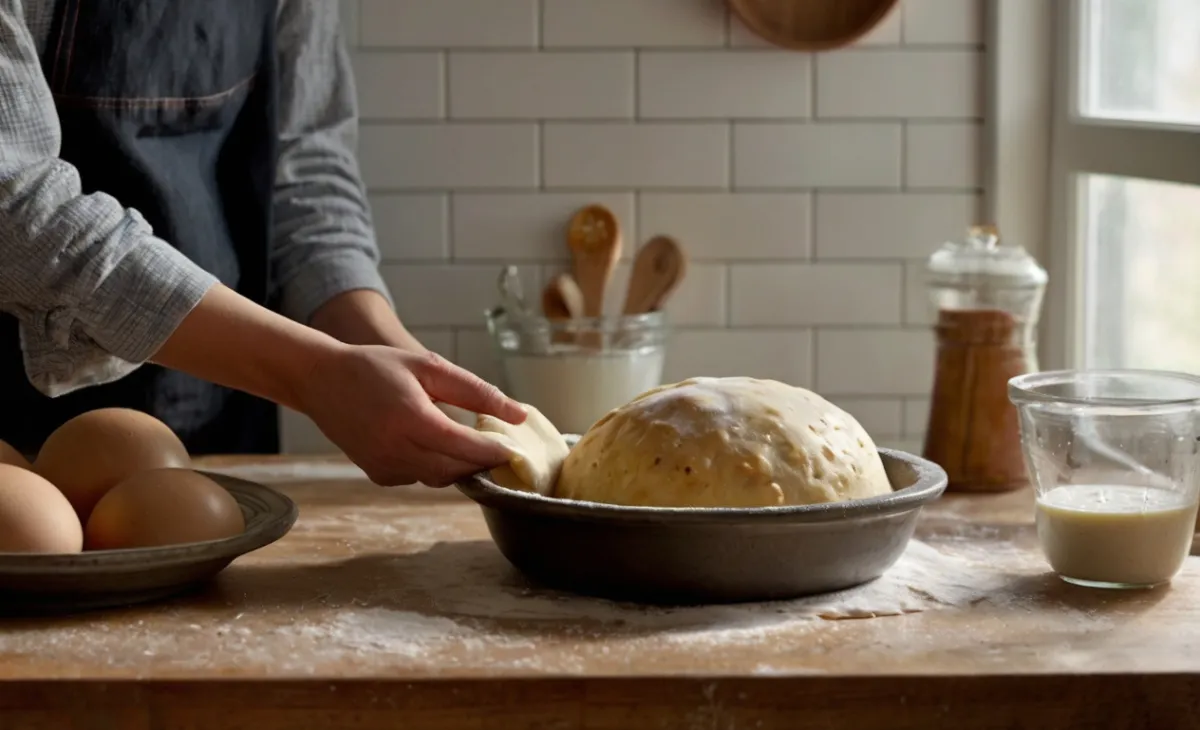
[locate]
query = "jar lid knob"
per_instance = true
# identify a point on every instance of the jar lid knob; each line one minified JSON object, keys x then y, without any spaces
{"x":987,"y":235}
{"x":981,"y":258}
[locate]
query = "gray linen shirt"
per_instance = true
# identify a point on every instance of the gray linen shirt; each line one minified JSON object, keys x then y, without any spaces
{"x":96,"y":293}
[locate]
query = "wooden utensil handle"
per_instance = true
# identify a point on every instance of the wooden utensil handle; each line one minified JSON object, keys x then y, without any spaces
{"x":659,"y":267}
{"x":594,"y":238}
{"x":560,"y":304}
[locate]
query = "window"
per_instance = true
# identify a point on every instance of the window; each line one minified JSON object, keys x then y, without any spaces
{"x":1124,"y":248}
{"x":1141,"y":60}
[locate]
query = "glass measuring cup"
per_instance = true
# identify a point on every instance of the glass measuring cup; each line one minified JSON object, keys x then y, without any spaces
{"x":575,"y":371}
{"x":1113,"y":458}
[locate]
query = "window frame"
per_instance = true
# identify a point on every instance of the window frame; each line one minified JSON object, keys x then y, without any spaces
{"x":1038,"y":148}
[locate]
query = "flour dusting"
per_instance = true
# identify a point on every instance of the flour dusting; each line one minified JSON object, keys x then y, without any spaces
{"x":290,"y":472}
{"x":409,"y":528}
{"x":459,"y":606}
{"x":399,"y":633}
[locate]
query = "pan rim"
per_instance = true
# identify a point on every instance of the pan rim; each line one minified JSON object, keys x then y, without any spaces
{"x":930,"y":483}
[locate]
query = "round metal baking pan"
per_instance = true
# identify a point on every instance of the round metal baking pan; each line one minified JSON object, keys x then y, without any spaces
{"x":708,"y":555}
{"x":31,"y":583}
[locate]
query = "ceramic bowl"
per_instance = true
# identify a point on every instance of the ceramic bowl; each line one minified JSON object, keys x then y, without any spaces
{"x":107,"y":578}
{"x":708,"y":555}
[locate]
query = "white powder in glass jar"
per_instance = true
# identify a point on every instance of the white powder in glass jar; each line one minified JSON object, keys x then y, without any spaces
{"x":574,"y":388}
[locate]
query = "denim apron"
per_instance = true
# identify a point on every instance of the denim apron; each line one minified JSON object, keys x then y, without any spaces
{"x":170,"y":108}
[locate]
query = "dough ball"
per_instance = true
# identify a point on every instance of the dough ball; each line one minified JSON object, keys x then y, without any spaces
{"x":86,"y":456}
{"x":163,"y":507}
{"x":34,"y":516}
{"x":9,"y":455}
{"x":724,"y":442}
{"x":536,"y":451}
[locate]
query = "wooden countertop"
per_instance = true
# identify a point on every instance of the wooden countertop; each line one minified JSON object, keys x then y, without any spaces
{"x":384,"y":606}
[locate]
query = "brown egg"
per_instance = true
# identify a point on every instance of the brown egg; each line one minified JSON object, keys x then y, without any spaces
{"x":34,"y":516}
{"x":86,"y":456}
{"x":163,"y":507}
{"x":9,"y":455}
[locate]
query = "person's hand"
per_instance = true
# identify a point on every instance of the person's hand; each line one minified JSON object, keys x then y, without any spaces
{"x":375,"y":402}
{"x":377,"y":405}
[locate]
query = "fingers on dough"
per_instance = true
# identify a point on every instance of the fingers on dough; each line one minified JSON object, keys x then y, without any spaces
{"x":536,"y":451}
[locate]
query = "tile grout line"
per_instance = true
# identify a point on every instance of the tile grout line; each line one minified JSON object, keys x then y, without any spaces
{"x":693,"y":121}
{"x":636,"y":203}
{"x":731,"y":176}
{"x":812,"y":88}
{"x":539,"y":151}
{"x":813,"y":338}
{"x":728,"y":296}
{"x":358,"y":24}
{"x":781,"y":190}
{"x":444,"y":69}
{"x":540,"y":29}
{"x":912,"y":49}
{"x":772,"y":261}
{"x":454,"y":346}
{"x":448,"y":227}
{"x":637,"y":85}
{"x":731,"y":173}
{"x":448,"y":223}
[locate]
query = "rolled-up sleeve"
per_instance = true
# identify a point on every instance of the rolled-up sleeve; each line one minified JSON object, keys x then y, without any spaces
{"x":323,"y":242}
{"x":95,"y":292}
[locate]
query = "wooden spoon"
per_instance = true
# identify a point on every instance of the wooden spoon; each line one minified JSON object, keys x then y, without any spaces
{"x":562,"y":301}
{"x":659,"y":267}
{"x":562,"y":298}
{"x":594,"y":237}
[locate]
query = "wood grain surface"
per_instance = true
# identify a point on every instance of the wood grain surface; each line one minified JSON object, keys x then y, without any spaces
{"x":389,"y":608}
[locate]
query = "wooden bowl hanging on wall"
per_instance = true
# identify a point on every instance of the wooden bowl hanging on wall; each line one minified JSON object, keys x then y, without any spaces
{"x":812,"y":25}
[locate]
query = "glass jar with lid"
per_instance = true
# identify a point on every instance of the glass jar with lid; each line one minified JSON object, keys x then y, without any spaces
{"x":576,"y":370}
{"x":987,"y":297}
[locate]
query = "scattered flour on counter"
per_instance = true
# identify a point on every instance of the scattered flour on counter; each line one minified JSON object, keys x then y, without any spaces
{"x":475,"y":617}
{"x":474,"y":613}
{"x":397,"y":633}
{"x":922,"y":579}
{"x":460,"y":606}
{"x":291,"y":472}
{"x":417,"y":529}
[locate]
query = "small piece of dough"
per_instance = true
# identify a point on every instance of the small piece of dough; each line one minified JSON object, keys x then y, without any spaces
{"x":536,"y":451}
{"x":724,"y":442}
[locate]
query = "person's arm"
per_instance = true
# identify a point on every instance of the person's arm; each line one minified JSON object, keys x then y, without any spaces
{"x":325,"y":262}
{"x":96,"y":295}
{"x":364,"y":317}
{"x":375,"y":402}
{"x":95,"y":292}
{"x":229,"y":340}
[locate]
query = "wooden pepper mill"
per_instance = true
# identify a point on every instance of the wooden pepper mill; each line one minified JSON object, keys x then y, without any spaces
{"x":987,"y":297}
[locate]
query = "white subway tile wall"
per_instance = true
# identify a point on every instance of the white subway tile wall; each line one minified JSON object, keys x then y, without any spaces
{"x":806,"y":188}
{"x":818,"y":155}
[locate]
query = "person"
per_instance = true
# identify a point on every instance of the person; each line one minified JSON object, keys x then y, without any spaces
{"x":184,"y":231}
